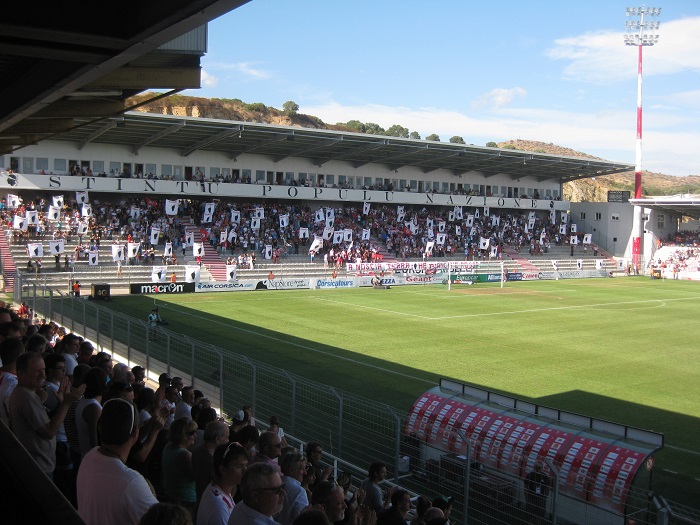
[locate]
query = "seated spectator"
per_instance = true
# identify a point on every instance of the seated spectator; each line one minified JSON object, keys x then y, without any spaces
{"x":293,"y":467}
{"x":109,"y":491}
{"x":263,"y":496}
{"x":228,"y":466}
{"x":177,"y":475}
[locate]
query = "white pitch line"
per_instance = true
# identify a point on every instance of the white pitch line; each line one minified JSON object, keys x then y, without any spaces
{"x":377,"y":309}
{"x":311,"y":349}
{"x":513,"y":312}
{"x":687,"y":451}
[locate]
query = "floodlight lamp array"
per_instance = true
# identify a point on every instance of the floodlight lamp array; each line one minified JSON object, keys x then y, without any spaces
{"x":643,"y":11}
{"x":645,"y":31}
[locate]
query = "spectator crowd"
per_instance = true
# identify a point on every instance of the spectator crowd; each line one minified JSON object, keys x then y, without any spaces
{"x":123,"y":452}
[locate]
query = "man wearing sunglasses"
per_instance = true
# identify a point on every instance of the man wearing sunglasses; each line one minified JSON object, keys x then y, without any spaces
{"x":263,"y":496}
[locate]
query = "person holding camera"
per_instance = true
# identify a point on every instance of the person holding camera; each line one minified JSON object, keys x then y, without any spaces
{"x":153,"y":321}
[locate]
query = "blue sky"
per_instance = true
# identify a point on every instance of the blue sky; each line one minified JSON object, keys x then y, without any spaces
{"x":552,"y":71}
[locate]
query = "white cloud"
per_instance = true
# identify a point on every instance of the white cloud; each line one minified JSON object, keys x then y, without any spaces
{"x":603,"y":58}
{"x":209,"y":80}
{"x":499,"y":97}
{"x":246,"y":68}
{"x":607,"y":134}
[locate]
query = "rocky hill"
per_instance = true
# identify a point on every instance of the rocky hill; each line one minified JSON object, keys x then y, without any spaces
{"x":592,"y":190}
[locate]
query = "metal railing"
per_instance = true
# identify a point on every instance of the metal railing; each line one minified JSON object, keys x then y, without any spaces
{"x":355,"y":430}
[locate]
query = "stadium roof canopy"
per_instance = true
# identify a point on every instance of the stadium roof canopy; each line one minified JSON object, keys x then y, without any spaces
{"x":688,"y":205}
{"x":188,"y":134}
{"x":64,"y":63}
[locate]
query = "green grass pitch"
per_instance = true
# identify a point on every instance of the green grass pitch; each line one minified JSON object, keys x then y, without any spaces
{"x":623,"y":349}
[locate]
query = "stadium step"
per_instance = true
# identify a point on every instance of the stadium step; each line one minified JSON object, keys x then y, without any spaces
{"x":8,"y":263}
{"x":211,"y":259}
{"x":515,"y":256}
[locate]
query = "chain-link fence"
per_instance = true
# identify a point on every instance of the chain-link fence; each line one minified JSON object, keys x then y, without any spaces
{"x":355,"y":431}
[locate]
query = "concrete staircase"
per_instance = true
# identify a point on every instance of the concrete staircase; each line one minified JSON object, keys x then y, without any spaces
{"x":7,"y":263}
{"x":211,"y":259}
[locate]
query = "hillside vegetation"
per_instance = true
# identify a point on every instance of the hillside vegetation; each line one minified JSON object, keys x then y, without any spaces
{"x":592,"y":190}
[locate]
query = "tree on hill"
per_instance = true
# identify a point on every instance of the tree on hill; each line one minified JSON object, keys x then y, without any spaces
{"x":290,"y":108}
{"x":457,"y":140}
{"x":374,"y":129}
{"x":414,"y":135}
{"x":435,"y":137}
{"x":397,"y":131}
{"x":354,"y":125}
{"x":491,"y":144}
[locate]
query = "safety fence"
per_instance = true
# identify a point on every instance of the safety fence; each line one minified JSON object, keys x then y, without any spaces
{"x":355,"y":431}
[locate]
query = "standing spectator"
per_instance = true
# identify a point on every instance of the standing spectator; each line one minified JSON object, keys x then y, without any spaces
{"x":314,"y":453}
{"x":331,"y":498}
{"x":396,"y":514}
{"x":296,"y":500}
{"x":275,"y":427}
{"x":375,"y":500}
{"x":28,"y":418}
{"x":10,"y":350}
{"x":536,"y":491}
{"x":263,"y":496}
{"x":177,"y":474}
{"x":108,"y":491}
{"x":216,"y":503}
{"x":184,"y":407}
{"x":269,"y":449}
{"x":215,"y":434}
{"x":89,"y":408}
{"x":76,"y":288}
{"x":153,"y":325}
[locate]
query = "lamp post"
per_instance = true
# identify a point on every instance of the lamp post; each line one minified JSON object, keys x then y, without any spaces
{"x":641,"y":31}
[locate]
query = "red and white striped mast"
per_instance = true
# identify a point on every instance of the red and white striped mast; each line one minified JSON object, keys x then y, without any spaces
{"x":640,"y":33}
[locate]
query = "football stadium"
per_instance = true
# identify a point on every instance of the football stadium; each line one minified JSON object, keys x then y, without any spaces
{"x":427,"y":321}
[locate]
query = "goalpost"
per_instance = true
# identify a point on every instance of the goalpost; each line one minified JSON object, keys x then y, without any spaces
{"x":451,"y":268}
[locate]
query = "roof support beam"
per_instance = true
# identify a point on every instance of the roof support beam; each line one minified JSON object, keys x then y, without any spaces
{"x":157,"y":136}
{"x":262,"y":144}
{"x":141,"y":78}
{"x":209,"y":140}
{"x":302,"y":152}
{"x":104,"y":129}
{"x":81,"y":108}
{"x":360,"y":149}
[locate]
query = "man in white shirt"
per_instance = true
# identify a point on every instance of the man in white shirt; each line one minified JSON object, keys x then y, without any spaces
{"x":108,"y":491}
{"x":216,"y":504}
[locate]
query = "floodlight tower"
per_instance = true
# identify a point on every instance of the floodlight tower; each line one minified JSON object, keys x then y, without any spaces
{"x":641,"y":31}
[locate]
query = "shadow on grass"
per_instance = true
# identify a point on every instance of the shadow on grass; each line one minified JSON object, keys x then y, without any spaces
{"x":399,"y":386}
